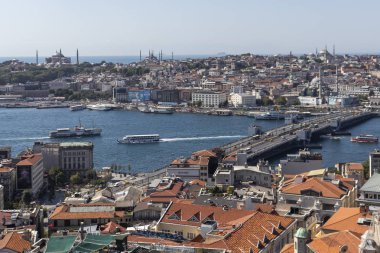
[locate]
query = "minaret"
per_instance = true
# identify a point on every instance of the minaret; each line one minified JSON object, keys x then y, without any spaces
{"x":336,"y":79}
{"x":320,"y":83}
{"x":172,"y":56}
{"x":149,"y":54}
{"x":77,"y":56}
{"x":334,"y":51}
{"x":140,"y":55}
{"x":36,"y":57}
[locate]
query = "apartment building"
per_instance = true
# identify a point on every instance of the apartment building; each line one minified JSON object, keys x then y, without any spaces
{"x":30,"y":173}
{"x":209,"y":98}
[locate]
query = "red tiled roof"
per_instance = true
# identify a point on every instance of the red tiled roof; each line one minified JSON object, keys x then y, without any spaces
{"x":354,"y":166}
{"x":327,"y":189}
{"x":185,"y":212}
{"x":30,"y":160}
{"x":334,"y":241}
{"x":5,"y":169}
{"x":347,"y":219}
{"x":259,"y":230}
{"x":202,"y":161}
{"x":170,"y":193}
{"x":205,"y":153}
{"x":14,"y":241}
{"x":112,"y":227}
{"x":63,"y":213}
{"x":197,"y":182}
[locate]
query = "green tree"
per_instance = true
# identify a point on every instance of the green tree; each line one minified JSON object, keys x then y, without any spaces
{"x":366,"y":169}
{"x":26,"y":197}
{"x":90,"y":174}
{"x":280,"y":101}
{"x":266,"y":101}
{"x":75,"y":179}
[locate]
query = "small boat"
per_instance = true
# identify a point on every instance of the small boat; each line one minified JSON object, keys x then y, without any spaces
{"x":77,"y":107}
{"x":100,"y":107}
{"x":365,"y":138}
{"x":142,"y":138}
{"x":143,"y":108}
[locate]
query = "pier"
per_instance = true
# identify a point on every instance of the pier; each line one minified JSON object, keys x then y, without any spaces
{"x":279,"y":140}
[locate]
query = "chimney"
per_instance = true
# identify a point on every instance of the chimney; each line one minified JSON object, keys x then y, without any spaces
{"x":363,"y":208}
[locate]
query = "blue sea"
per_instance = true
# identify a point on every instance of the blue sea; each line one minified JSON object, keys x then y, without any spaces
{"x":181,"y":133}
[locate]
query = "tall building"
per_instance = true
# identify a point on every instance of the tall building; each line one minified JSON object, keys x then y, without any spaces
{"x":70,"y":157}
{"x":30,"y":173}
{"x":5,"y":152}
{"x":8,"y":181}
{"x":374,"y":162}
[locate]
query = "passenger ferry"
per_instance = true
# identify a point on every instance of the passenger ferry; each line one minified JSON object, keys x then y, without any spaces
{"x":143,"y":138}
{"x":78,"y":131}
{"x":271,"y":115}
{"x":365,"y":138}
{"x":100,"y":107}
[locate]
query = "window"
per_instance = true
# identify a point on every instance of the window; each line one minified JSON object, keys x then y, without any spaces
{"x":190,"y":236}
{"x":94,"y":221}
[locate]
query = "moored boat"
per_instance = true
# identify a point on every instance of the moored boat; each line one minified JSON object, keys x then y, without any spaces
{"x":77,"y":107}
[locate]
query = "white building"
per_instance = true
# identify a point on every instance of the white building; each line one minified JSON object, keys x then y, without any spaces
{"x":306,"y":100}
{"x":209,"y":98}
{"x":243,"y":99}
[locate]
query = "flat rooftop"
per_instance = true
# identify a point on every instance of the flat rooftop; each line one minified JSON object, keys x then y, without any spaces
{"x":75,"y":144}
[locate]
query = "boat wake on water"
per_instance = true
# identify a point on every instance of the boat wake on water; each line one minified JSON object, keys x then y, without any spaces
{"x":201,"y":138}
{"x":25,"y":138}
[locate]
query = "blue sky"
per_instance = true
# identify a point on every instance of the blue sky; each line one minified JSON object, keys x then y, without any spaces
{"x":123,"y":27}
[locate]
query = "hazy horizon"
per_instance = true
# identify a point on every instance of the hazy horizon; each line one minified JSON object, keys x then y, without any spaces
{"x":123,"y":27}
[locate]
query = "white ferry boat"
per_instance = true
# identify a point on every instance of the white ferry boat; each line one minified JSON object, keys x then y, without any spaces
{"x":100,"y":107}
{"x":365,"y":138}
{"x":162,"y":109}
{"x":292,"y":117}
{"x":142,"y":138}
{"x":271,"y":115}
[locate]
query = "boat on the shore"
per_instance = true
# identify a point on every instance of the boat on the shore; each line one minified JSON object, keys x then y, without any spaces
{"x":143,"y":108}
{"x":51,"y":105}
{"x":142,"y":138}
{"x":100,"y":107}
{"x":365,"y":138}
{"x":77,"y":107}
{"x":161,"y":109}
{"x":77,"y":131}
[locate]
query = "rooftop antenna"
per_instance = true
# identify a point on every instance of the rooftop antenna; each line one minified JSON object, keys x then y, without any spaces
{"x":336,"y":79}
